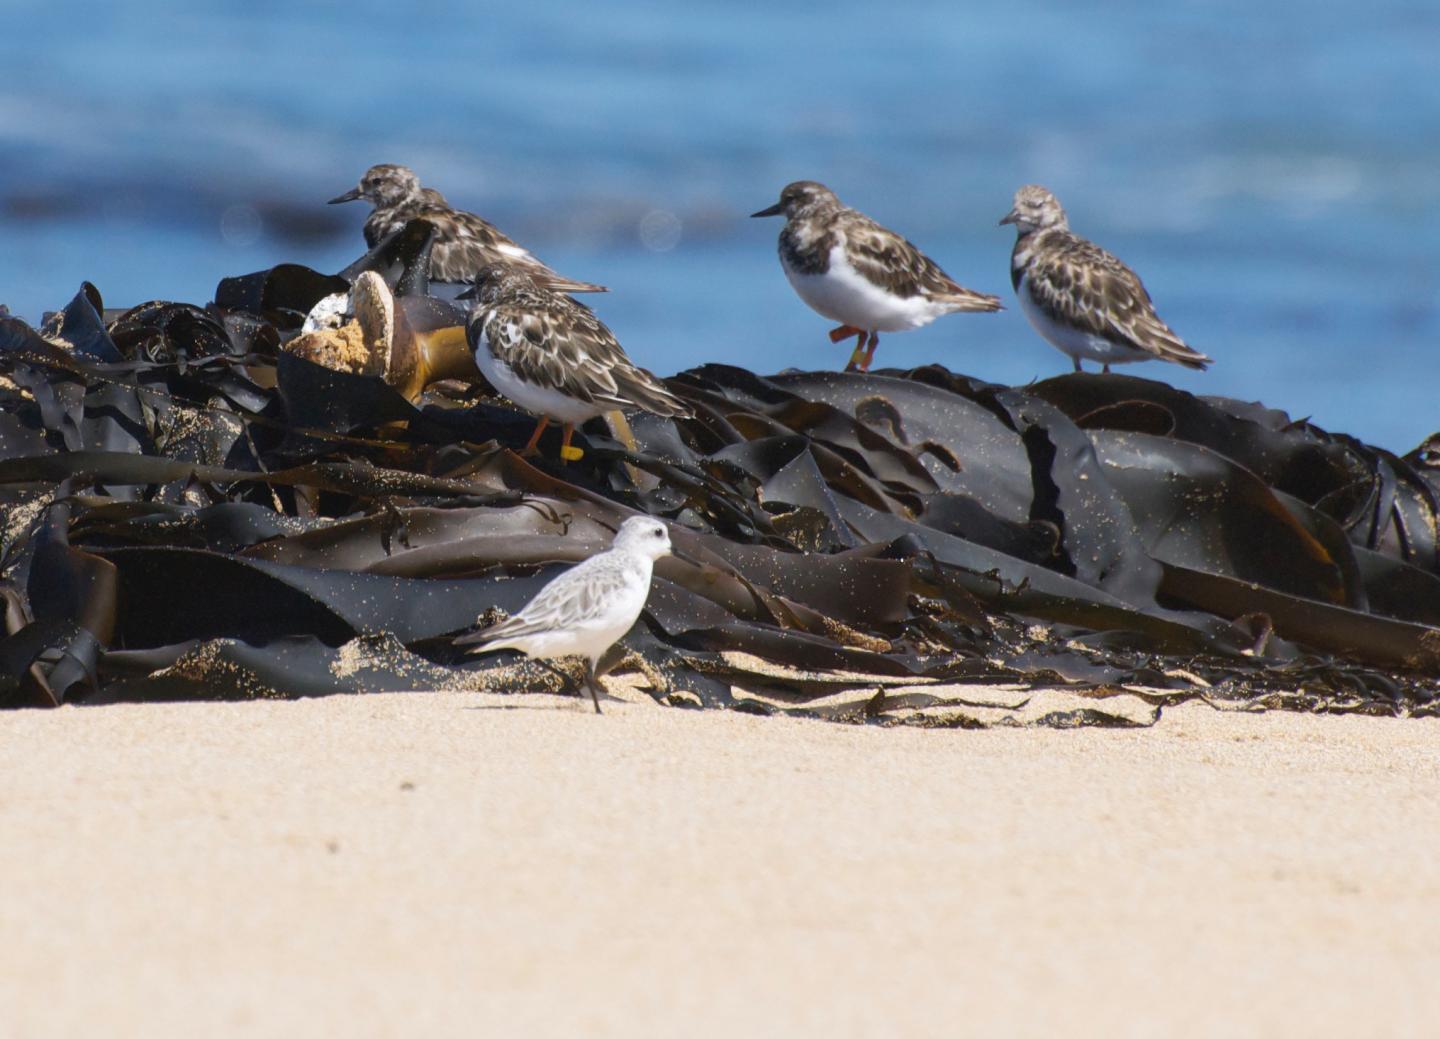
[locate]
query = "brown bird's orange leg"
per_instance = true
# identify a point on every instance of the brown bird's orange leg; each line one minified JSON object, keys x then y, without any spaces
{"x":845,"y":332}
{"x":870,"y":351}
{"x":857,"y":360}
{"x":534,"y":446}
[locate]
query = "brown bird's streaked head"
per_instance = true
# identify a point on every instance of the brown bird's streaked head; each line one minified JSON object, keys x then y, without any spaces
{"x":383,"y":186}
{"x":496,"y":281}
{"x":1035,"y":209}
{"x":798,"y":197}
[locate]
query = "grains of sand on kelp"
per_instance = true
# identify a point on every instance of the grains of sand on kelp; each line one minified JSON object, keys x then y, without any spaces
{"x":202,"y":433}
{"x":207,"y":666}
{"x":741,"y":661}
{"x":848,"y":636}
{"x":18,"y":518}
{"x":384,"y":655}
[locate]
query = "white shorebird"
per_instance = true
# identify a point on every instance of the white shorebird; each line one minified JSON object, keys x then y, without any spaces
{"x":588,"y":608}
{"x":848,"y":268}
{"x":1080,"y":298}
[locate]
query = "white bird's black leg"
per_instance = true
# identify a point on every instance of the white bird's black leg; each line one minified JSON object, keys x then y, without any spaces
{"x":1077,"y":365}
{"x":591,"y":681}
{"x":571,"y":682}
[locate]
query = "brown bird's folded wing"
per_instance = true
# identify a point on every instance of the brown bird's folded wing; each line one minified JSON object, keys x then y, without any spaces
{"x":890,"y":261}
{"x":465,"y":243}
{"x":552,"y":341}
{"x":1081,"y":285}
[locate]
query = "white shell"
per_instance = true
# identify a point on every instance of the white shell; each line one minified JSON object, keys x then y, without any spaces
{"x":331,"y":312}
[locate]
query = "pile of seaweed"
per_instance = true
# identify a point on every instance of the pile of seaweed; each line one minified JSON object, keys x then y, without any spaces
{"x":190,"y":510}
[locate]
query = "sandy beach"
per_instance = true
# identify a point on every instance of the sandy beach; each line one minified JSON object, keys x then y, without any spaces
{"x":461,"y":864}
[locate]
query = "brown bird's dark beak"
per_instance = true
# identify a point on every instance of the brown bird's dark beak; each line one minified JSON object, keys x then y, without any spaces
{"x":473,"y":292}
{"x":349,"y":196}
{"x":774,"y":210}
{"x":1010,"y":217}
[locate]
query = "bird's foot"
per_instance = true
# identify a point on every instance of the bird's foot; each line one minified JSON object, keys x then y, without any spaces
{"x":568,"y":453}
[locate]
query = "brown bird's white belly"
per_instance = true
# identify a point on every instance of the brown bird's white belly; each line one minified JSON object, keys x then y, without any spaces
{"x":1071,"y":341}
{"x":536,"y":399}
{"x":843,"y":294}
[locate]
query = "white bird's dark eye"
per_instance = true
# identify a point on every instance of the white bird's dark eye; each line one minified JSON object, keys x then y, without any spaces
{"x":658,"y":533}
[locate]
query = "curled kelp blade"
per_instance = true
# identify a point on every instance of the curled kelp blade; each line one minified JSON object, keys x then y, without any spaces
{"x":80,"y":327}
{"x":282,"y":295}
{"x":169,"y":597}
{"x":166,"y":332}
{"x":1383,"y":501}
{"x":402,"y":259}
{"x":1193,"y":507}
{"x":67,"y":615}
{"x":323,"y":398}
{"x":1347,"y":633}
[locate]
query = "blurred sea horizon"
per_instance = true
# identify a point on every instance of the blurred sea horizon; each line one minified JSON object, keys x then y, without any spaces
{"x":1270,"y":171}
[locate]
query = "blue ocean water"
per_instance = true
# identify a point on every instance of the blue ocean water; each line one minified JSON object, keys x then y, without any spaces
{"x":1269,"y":169}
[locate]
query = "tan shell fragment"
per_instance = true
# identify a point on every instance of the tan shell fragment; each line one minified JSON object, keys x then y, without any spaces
{"x":374,"y":309}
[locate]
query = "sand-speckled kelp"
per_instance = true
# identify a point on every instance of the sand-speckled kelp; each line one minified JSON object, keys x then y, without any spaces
{"x":193,"y":511}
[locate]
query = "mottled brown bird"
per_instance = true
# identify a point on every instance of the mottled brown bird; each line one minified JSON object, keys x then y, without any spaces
{"x":848,"y":268}
{"x":1080,"y":298}
{"x":464,"y":243}
{"x":554,"y":357}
